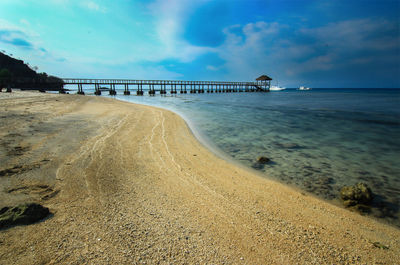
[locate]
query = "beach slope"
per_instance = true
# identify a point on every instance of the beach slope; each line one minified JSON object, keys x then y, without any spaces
{"x":129,"y":184}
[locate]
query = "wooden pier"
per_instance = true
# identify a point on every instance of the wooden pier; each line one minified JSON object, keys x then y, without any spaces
{"x":262,"y":84}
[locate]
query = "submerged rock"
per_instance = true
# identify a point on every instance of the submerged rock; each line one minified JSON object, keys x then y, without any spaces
{"x":290,"y":146}
{"x":22,"y":214}
{"x":260,"y":163}
{"x":356,"y":194}
{"x":263,"y":160}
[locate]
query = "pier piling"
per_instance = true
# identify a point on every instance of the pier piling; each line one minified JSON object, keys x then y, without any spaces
{"x":126,"y":91}
{"x":97,"y":91}
{"x":112,"y":91}
{"x":80,"y":90}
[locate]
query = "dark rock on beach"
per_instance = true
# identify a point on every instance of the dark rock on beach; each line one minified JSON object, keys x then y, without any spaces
{"x":23,"y":214}
{"x":359,"y":193}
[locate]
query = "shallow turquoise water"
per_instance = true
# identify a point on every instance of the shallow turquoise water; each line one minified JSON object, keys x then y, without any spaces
{"x":318,"y":140}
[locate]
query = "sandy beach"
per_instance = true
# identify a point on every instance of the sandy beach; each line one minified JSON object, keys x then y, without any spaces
{"x":130,"y":184}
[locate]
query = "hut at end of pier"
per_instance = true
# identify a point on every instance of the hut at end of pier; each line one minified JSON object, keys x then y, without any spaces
{"x":264,"y":82}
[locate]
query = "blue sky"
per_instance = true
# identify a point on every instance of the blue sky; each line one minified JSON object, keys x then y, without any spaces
{"x":336,"y":43}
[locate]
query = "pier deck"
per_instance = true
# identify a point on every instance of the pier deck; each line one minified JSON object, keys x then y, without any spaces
{"x":171,"y":85}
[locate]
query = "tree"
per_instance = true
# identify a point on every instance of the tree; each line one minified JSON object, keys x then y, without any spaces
{"x":5,"y":77}
{"x":42,"y":77}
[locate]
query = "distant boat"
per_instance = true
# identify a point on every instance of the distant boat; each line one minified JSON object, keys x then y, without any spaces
{"x":304,"y":88}
{"x":276,"y":88}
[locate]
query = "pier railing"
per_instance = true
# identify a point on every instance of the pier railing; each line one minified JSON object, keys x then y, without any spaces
{"x":173,"y":85}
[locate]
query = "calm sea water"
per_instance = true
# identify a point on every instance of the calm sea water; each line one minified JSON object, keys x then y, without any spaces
{"x":318,"y":140}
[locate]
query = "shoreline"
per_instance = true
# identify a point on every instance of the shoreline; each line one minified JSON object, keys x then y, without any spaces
{"x":199,"y":135}
{"x":151,"y":192}
{"x":213,"y":148}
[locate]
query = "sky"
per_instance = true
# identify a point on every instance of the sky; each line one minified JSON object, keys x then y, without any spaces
{"x":321,"y":43}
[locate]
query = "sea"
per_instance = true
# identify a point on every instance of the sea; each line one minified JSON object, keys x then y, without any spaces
{"x":317,"y":140}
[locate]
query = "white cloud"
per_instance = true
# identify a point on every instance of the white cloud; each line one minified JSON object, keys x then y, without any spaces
{"x":290,"y":54}
{"x":212,"y":68}
{"x":60,"y":2}
{"x":86,"y":4}
{"x":355,"y":34}
{"x":170,"y":19}
{"x":12,"y":31}
{"x":24,"y":22}
{"x":130,"y":71}
{"x":6,"y":25}
{"x":91,"y":5}
{"x":25,"y":43}
{"x":246,"y":49}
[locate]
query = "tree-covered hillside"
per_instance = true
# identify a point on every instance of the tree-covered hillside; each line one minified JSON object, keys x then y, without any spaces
{"x":16,"y":74}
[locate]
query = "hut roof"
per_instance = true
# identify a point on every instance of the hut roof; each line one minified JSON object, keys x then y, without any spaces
{"x":263,"y":78}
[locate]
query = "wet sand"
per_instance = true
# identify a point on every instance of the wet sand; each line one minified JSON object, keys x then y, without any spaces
{"x":130,"y":184}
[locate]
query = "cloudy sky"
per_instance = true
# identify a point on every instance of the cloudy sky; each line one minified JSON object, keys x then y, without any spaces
{"x":321,"y":43}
